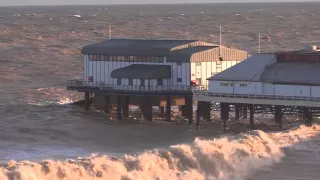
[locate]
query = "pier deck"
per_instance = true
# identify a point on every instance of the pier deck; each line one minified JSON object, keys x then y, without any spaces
{"x":203,"y":95}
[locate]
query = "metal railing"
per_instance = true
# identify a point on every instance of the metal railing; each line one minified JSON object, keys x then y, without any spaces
{"x":99,"y":86}
{"x":255,"y":96}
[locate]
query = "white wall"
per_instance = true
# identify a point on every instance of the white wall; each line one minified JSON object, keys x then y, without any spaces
{"x":315,"y":91}
{"x":292,"y":90}
{"x":250,"y":88}
{"x":215,"y":87}
{"x":208,"y":69}
{"x":234,"y":87}
{"x":101,"y":70}
{"x":263,"y":89}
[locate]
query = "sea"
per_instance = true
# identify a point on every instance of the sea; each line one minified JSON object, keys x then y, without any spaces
{"x":44,"y":137}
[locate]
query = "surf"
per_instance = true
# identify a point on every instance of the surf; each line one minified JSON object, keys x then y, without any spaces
{"x":226,"y":158}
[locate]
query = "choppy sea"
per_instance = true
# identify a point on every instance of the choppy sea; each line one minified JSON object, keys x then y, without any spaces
{"x":42,"y":136}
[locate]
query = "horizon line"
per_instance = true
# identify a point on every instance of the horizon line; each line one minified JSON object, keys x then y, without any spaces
{"x":182,"y":3}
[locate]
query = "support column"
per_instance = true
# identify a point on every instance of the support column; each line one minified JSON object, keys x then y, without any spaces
{"x":278,"y":116}
{"x":125,"y":106}
{"x":119,"y":108}
{"x":198,"y":116}
{"x":189,"y":108}
{"x":224,"y":114}
{"x":245,"y":112}
{"x":237,"y":112}
{"x":142,"y":107}
{"x":307,"y":116}
{"x":161,"y":110}
{"x":310,"y":118}
{"x":148,"y":109}
{"x":86,"y":101}
{"x":168,"y":108}
{"x":251,"y":109}
{"x":206,"y":113}
{"x":107,"y":108}
{"x":184,"y":112}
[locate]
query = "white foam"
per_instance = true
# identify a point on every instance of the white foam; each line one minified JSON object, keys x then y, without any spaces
{"x":226,"y":158}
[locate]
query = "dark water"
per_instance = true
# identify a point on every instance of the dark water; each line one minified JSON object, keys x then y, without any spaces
{"x":39,"y":51}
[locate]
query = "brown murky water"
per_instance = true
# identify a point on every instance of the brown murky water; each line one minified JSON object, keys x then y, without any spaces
{"x":39,"y":51}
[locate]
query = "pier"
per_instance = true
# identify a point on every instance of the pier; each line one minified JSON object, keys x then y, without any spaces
{"x":166,"y":73}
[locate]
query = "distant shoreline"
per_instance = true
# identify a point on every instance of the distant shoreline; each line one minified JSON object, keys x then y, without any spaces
{"x":160,"y":4}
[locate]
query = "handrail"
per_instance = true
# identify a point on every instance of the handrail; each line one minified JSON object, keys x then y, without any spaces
{"x":79,"y":84}
{"x":257,"y":96}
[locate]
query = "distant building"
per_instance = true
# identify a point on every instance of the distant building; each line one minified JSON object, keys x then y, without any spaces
{"x":292,"y":74}
{"x":152,"y":65}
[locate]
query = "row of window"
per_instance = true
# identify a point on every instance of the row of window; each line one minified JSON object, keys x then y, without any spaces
{"x":199,"y":63}
{"x":142,"y":82}
{"x":227,"y":84}
{"x":155,"y":59}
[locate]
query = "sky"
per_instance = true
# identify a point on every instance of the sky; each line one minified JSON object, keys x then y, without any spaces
{"x":93,"y":2}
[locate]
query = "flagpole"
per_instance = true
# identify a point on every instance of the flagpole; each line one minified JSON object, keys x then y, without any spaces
{"x":220,"y":35}
{"x":110,"y":33}
{"x":220,"y":43}
{"x":259,"y":48}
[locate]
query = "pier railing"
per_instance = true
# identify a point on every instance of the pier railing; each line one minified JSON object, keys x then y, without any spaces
{"x":98,"y":86}
{"x":255,"y":96}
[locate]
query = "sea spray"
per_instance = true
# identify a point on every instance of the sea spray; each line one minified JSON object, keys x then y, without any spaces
{"x":228,"y":158}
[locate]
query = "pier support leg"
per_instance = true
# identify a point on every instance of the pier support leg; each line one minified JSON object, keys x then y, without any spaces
{"x":206,"y":113}
{"x":184,"y":112}
{"x":148,"y":109}
{"x":87,"y":101}
{"x":224,"y":114}
{"x":307,"y":116}
{"x":278,"y":116}
{"x":251,"y":109}
{"x":125,"y":106}
{"x":108,"y":106}
{"x":198,"y":116}
{"x":141,"y":106}
{"x":168,"y":108}
{"x":310,"y":118}
{"x":244,"y":112}
{"x":237,"y":112}
{"x":189,"y":109}
{"x":161,"y":110}
{"x":119,"y":108}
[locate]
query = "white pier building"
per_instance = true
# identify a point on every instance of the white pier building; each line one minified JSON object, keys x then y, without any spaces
{"x":277,"y":79}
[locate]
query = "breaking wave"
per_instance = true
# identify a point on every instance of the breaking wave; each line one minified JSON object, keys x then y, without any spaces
{"x":233,"y":157}
{"x":49,"y":96}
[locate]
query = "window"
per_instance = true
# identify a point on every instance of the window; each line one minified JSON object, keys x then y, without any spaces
{"x":179,"y":79}
{"x":179,"y":63}
{"x":198,"y":81}
{"x":224,"y":84}
{"x":243,"y":85}
{"x":130,"y":82}
{"x":160,"y":82}
{"x":118,"y":81}
{"x":142,"y":82}
{"x":198,"y":64}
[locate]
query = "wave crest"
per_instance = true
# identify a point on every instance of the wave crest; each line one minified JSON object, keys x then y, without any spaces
{"x":233,"y":157}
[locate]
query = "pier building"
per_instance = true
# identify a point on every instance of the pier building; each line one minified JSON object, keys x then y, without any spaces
{"x":274,"y":81}
{"x":150,"y":73}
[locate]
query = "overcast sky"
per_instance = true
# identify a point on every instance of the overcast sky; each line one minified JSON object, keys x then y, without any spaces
{"x":78,"y":2}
